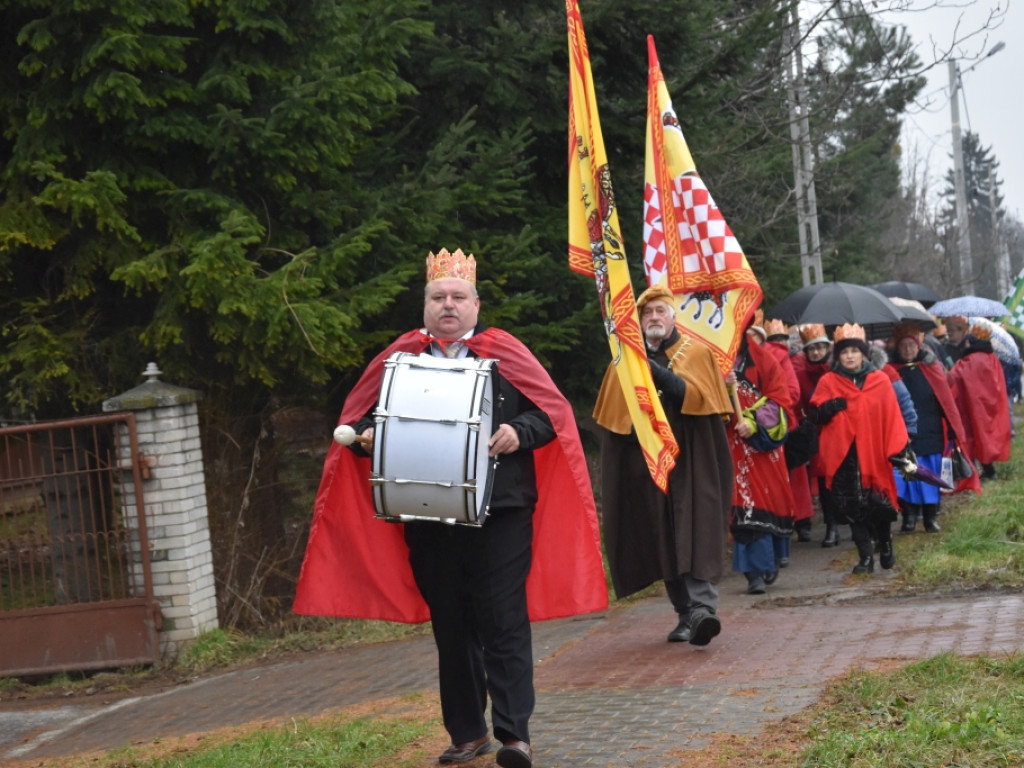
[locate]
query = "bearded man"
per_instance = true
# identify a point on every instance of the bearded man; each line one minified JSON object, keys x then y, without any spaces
{"x":679,"y":536}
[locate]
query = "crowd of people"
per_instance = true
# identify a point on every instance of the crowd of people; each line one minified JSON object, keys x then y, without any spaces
{"x":809,"y":418}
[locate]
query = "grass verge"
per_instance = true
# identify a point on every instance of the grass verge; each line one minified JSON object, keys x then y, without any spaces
{"x":981,"y":545}
{"x":945,"y":710}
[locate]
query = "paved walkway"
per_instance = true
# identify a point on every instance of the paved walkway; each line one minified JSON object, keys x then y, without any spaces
{"x":611,"y":691}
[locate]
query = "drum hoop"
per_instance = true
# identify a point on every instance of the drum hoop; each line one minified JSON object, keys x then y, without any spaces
{"x":484,"y":384}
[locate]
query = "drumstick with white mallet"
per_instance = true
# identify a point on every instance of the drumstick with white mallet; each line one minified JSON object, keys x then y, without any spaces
{"x":344,"y":434}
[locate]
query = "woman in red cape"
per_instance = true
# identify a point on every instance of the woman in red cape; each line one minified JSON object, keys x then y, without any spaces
{"x":761,"y":518}
{"x":862,"y":428}
{"x":938,"y":425}
{"x":797,"y":458}
{"x":979,"y":389}
{"x":357,"y":566}
{"x":810,"y":365}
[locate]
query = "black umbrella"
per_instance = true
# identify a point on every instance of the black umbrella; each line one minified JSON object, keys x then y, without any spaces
{"x":835,"y":303}
{"x":902,"y":290}
{"x":909,"y":311}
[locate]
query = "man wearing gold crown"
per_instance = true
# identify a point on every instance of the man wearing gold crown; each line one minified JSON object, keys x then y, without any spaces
{"x":979,"y":389}
{"x":862,"y":428}
{"x":537,"y":556}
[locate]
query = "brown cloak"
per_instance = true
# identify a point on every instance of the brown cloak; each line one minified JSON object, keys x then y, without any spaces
{"x":650,"y":536}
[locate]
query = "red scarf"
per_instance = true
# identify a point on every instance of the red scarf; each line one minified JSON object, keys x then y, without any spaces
{"x":357,"y":566}
{"x":872,"y":418}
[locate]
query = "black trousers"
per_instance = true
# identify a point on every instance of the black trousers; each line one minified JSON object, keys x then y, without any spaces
{"x":474,"y":581}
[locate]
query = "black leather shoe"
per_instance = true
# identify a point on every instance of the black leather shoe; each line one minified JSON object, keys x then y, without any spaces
{"x":703,"y":627}
{"x":770,"y":577}
{"x":466,"y":751}
{"x":803,"y":533}
{"x":886,"y":555}
{"x":681,"y":634}
{"x":865,"y":565}
{"x":930,"y":526}
{"x":515,"y":754}
{"x":909,"y":523}
{"x":831,"y":537}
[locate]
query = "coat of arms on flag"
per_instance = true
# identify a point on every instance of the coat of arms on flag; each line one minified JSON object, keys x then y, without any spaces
{"x":688,"y":245}
{"x":596,"y":250}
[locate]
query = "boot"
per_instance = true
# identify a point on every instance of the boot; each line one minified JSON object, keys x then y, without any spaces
{"x":755,"y":584}
{"x":831,"y":535}
{"x":886,"y":554}
{"x":866,"y":564}
{"x":803,"y":530}
{"x":929,"y":511}
{"x":910,"y":513}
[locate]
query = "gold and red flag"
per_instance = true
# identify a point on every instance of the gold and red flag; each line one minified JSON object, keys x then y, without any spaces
{"x":688,"y":245}
{"x":596,"y":250}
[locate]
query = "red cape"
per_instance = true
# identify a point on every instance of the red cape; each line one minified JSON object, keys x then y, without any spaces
{"x":807,"y":374}
{"x":357,"y":566}
{"x":873,"y":417}
{"x":803,"y":506}
{"x":979,"y":390}
{"x":780,"y":352}
{"x":770,"y":377}
{"x":762,"y":480}
{"x":935,"y":375}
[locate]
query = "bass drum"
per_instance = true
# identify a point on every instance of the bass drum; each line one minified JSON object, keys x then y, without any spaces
{"x":433,"y":419}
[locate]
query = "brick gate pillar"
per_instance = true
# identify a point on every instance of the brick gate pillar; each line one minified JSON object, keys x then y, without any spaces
{"x":181,"y":557}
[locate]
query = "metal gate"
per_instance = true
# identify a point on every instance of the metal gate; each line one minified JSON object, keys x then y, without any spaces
{"x":76,"y":590}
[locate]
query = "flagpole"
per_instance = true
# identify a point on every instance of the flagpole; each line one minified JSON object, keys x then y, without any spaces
{"x":688,"y":245}
{"x":596,"y":249}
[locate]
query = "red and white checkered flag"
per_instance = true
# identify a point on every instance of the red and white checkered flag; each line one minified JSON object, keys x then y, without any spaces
{"x":688,"y":245}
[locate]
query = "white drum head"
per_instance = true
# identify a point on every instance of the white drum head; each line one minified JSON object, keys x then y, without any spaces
{"x":433,"y":420}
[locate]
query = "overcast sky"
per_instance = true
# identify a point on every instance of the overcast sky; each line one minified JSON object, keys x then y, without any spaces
{"x":992,"y":98}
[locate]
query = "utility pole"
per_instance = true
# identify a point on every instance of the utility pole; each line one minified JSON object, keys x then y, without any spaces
{"x":963,"y":223}
{"x":963,"y":227}
{"x":1002,"y":253}
{"x":803,"y":162}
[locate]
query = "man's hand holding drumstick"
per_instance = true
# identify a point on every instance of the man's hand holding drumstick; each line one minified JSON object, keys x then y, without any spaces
{"x":504,"y":440}
{"x":344,"y":434}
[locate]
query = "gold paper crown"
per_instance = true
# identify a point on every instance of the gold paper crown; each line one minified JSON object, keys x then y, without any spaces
{"x":849,"y":331}
{"x":776,"y":327}
{"x":757,"y":324}
{"x":456,"y":264}
{"x":907,"y":330}
{"x":813,"y":333}
{"x":981,"y":332}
